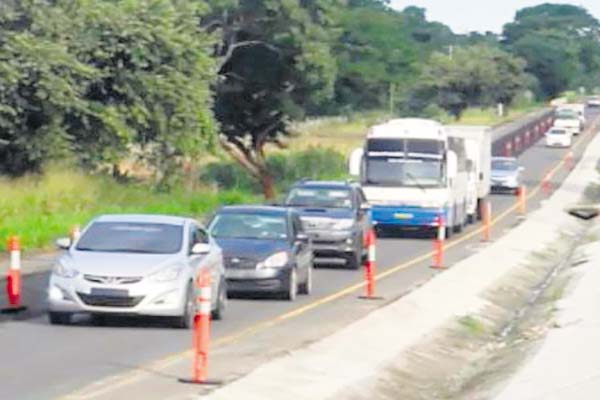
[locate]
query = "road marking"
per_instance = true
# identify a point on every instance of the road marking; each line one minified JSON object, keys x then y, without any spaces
{"x":115,"y":381}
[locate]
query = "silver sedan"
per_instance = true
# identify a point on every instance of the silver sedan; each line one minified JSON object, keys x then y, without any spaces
{"x":136,"y":265}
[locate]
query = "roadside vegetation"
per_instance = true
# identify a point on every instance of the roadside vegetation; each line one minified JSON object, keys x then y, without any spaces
{"x":43,"y":207}
{"x":205,"y":94}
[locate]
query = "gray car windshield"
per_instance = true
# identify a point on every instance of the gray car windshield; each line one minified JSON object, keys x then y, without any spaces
{"x":249,"y":226}
{"x":320,"y":197}
{"x":504,"y":165}
{"x":129,"y":237}
{"x":401,"y":172}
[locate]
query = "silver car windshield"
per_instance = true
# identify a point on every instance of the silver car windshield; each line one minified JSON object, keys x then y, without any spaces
{"x":249,"y":226}
{"x":320,"y":197}
{"x":128,"y":237}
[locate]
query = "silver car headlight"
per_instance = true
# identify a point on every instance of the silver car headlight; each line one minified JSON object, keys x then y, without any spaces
{"x":167,"y":274}
{"x":343,"y":224}
{"x":63,"y":271}
{"x":277,"y":260}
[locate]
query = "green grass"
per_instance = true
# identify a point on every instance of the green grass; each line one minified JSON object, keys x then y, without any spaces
{"x":286,"y":167}
{"x":41,"y":208}
{"x":472,"y":325}
{"x":345,"y":135}
{"x":475,"y":116}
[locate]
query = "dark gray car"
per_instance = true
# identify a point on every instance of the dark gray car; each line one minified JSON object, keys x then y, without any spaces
{"x":336,"y":216}
{"x":265,"y":249}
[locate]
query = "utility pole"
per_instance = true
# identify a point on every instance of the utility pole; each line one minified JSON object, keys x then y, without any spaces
{"x":392,"y":98}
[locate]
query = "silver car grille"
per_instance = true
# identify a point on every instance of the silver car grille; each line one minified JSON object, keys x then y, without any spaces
{"x":317,"y":224}
{"x":113,"y":280}
{"x":240,"y":263}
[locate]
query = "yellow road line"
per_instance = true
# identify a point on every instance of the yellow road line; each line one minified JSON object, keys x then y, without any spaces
{"x":128,"y":377}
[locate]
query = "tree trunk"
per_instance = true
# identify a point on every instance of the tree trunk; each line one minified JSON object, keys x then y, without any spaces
{"x":266,"y":182}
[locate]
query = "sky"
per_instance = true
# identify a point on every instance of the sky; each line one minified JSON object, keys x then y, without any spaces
{"x":482,"y":15}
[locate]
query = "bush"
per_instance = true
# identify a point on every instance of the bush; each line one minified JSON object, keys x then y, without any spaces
{"x":42,"y":208}
{"x":286,"y":168}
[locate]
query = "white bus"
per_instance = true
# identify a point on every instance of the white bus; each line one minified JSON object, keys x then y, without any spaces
{"x":412,"y":172}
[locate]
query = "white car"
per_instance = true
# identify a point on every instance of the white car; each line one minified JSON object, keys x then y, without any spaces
{"x":594,"y":102}
{"x":569,"y":119}
{"x":136,"y":265}
{"x":558,"y":137}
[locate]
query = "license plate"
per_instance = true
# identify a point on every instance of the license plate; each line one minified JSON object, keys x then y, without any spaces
{"x":402,"y":216}
{"x":109,"y":292}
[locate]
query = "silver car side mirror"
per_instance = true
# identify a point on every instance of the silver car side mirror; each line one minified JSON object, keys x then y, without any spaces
{"x":63,"y":243}
{"x":302,"y":237}
{"x":201,"y":248}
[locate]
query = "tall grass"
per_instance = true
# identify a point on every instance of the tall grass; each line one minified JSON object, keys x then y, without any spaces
{"x":286,"y":167}
{"x":41,"y":208}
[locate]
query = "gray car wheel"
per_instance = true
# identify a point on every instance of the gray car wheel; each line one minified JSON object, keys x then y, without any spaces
{"x":219,"y":311}
{"x":292,"y":289}
{"x":186,"y":320}
{"x":306,"y":287}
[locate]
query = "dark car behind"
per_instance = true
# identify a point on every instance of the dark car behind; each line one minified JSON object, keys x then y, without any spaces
{"x":335,"y":215}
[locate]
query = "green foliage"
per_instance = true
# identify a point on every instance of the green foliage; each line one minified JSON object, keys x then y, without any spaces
{"x":560,"y":44}
{"x":472,"y":76}
{"x":314,"y":163}
{"x":275,"y":61}
{"x":376,"y":52}
{"x":42,"y":208}
{"x":92,"y":78}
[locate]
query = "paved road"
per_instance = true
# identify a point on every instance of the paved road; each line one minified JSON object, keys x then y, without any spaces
{"x":42,"y":361}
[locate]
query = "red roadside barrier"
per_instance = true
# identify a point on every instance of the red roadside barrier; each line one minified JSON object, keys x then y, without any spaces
{"x":438,"y":244}
{"x":369,"y":266}
{"x":486,"y":212}
{"x":522,"y":200}
{"x":13,"y":278}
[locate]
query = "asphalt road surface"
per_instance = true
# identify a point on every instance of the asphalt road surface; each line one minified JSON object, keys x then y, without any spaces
{"x":40,"y":361}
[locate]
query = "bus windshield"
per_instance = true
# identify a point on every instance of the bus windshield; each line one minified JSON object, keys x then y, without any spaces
{"x":404,"y":172}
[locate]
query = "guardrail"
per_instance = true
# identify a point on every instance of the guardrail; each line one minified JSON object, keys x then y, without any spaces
{"x":510,"y":140}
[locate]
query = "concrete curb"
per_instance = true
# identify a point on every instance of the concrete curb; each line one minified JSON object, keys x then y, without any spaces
{"x":356,"y":352}
{"x":570,"y":349}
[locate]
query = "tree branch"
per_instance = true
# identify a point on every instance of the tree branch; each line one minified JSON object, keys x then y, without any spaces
{"x":246,"y":43}
{"x":237,"y":151}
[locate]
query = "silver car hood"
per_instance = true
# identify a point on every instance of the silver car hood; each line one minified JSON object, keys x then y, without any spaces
{"x":117,"y":264}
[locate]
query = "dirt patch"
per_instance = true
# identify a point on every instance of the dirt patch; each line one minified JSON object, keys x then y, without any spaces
{"x":473,"y":354}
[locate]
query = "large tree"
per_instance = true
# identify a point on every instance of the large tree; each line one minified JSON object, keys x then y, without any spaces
{"x":96,"y":78}
{"x":477,"y":75}
{"x":375,"y":55}
{"x":560,"y":44}
{"x":275,"y":61}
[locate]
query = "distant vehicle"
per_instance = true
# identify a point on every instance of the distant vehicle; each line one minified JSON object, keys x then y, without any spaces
{"x":478,"y":146}
{"x":570,"y":117}
{"x":336,"y":217}
{"x":594,"y":102}
{"x":558,"y":137}
{"x":506,"y":174}
{"x":413,"y":172}
{"x":265,"y":250}
{"x":136,"y":265}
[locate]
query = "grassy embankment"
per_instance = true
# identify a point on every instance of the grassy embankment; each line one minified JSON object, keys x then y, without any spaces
{"x":42,"y":208}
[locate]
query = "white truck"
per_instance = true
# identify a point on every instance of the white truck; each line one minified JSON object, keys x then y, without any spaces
{"x":413,"y":172}
{"x":478,"y":145}
{"x":570,"y":117}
